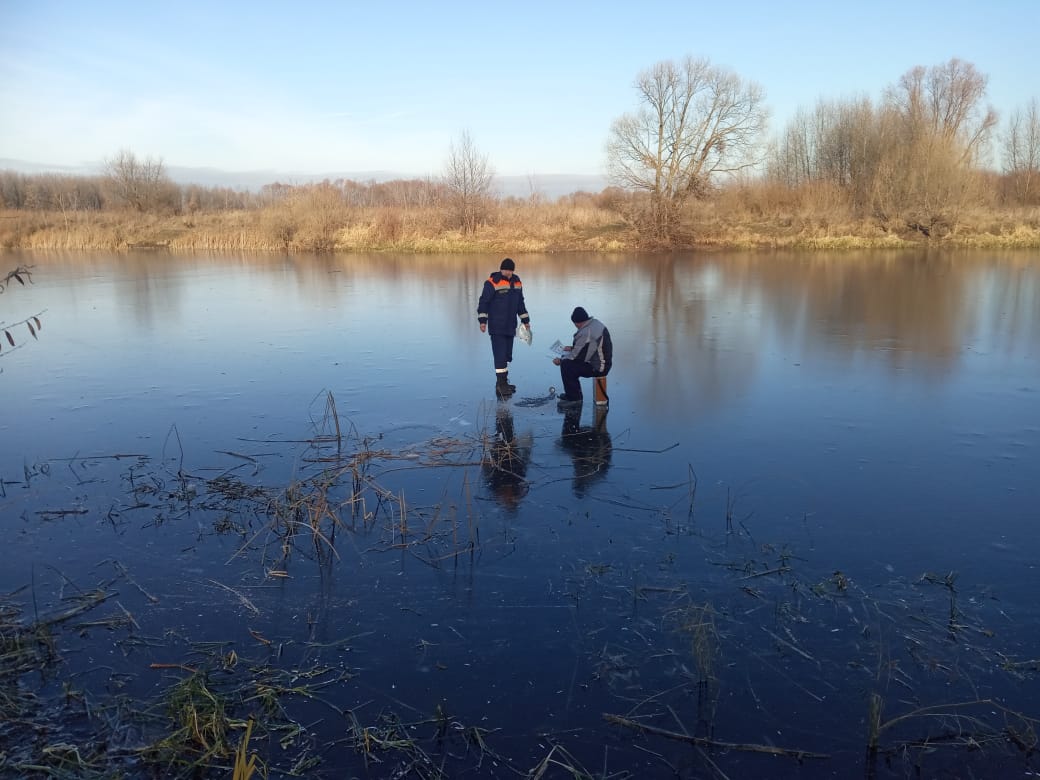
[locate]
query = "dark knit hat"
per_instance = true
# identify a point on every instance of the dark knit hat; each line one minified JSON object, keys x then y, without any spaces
{"x":507,"y":265}
{"x":580,"y":315}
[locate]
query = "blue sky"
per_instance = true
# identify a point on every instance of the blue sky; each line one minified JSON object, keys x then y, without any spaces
{"x":386,"y":86}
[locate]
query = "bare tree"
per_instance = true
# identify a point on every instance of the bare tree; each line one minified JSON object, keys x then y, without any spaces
{"x":792,"y":158}
{"x":1022,"y":153}
{"x":937,"y":133}
{"x":696,"y":122}
{"x":839,"y":143}
{"x":944,"y":102}
{"x":324,"y":213}
{"x":141,"y":184}
{"x":468,"y":176}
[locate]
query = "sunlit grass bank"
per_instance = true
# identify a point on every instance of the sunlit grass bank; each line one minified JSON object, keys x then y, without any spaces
{"x":522,"y":227}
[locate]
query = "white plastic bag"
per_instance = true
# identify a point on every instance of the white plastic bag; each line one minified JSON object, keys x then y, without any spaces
{"x":524,"y":332}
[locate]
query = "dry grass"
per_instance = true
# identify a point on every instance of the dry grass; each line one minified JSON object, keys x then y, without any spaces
{"x":745,"y":217}
{"x":244,"y":767}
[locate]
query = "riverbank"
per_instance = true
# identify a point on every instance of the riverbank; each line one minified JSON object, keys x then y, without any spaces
{"x":524,"y":228}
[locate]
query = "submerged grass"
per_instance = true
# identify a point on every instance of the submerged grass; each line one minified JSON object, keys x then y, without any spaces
{"x":23,"y":649}
{"x":244,"y":766}
{"x":698,"y":659}
{"x":200,"y":726}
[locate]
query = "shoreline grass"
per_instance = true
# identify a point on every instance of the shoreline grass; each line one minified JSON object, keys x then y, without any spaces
{"x":524,"y":228}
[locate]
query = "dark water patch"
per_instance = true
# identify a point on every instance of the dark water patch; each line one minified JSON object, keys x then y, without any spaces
{"x":364,"y":632}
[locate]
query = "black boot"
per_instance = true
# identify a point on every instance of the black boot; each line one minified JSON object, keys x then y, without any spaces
{"x":502,"y":387}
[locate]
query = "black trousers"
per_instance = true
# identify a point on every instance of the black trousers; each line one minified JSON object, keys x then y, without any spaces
{"x":502,"y":350}
{"x":571,"y":371}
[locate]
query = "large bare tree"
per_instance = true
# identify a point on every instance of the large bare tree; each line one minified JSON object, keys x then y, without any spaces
{"x":696,"y":122}
{"x":141,"y":184}
{"x":937,"y":134}
{"x":944,"y":103}
{"x":469,"y":177}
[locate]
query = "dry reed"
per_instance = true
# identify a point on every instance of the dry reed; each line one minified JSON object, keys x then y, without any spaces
{"x":739,"y":218}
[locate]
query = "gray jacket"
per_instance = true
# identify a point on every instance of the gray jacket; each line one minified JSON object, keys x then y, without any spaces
{"x":592,"y":345}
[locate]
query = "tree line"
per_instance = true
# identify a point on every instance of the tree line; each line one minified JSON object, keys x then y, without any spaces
{"x":917,"y":156}
{"x":155,"y":192}
{"x":915,"y":159}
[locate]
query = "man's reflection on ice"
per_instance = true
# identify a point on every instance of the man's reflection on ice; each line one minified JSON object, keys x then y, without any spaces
{"x":505,"y":460}
{"x":590,"y":447}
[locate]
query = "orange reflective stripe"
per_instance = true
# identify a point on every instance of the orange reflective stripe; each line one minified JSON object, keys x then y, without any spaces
{"x":505,"y":282}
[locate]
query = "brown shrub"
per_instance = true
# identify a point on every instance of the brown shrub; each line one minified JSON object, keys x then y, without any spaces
{"x":389,"y":226}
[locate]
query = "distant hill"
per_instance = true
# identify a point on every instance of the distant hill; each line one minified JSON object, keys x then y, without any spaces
{"x":22,"y":166}
{"x":551,"y":185}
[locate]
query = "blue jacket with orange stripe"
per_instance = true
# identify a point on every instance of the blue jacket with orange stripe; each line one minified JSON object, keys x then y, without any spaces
{"x":501,"y":302}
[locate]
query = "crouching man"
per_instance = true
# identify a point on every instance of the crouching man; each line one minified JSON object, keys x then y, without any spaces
{"x":590,"y":355}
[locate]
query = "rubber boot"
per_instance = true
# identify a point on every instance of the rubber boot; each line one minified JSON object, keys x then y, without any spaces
{"x":502,"y":387}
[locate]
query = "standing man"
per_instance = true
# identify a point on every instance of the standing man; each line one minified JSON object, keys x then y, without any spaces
{"x":501,"y":302}
{"x":591,"y":354}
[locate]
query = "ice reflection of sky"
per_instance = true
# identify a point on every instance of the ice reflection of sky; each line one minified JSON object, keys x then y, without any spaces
{"x":844,"y":384}
{"x":874,"y":414}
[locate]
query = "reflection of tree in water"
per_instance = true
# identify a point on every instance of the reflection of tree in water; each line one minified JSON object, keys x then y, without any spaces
{"x":708,"y":317}
{"x":505,"y":460}
{"x":590,"y":447}
{"x":156,"y":293}
{"x":698,"y":361}
{"x":905,"y":308}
